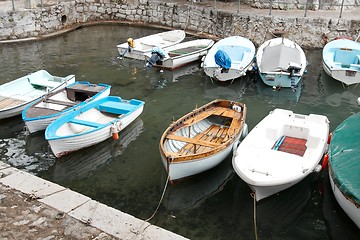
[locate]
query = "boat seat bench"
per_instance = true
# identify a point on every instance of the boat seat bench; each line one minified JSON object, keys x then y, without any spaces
{"x":86,"y":123}
{"x":210,"y":138}
{"x":116,"y":107}
{"x":59,"y":102}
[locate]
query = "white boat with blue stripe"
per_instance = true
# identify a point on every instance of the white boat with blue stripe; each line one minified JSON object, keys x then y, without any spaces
{"x":39,"y":114}
{"x":94,"y":122}
{"x":341,"y":60}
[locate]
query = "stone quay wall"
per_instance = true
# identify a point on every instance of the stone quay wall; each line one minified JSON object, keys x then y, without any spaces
{"x":309,"y":32}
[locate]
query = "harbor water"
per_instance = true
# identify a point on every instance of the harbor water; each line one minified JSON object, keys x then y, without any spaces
{"x":128,"y":174}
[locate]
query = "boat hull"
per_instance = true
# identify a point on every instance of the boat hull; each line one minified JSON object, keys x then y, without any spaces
{"x":66,"y":145}
{"x":145,"y":44}
{"x":341,"y":60}
{"x":16,"y":95}
{"x":40,"y":123}
{"x":262,"y":192}
{"x":348,"y":76}
{"x":279,"y":80}
{"x":280,"y":151}
{"x":184,"y":53}
{"x":202,"y":139}
{"x":348,"y":206}
{"x":177,"y":171}
{"x":281,"y":62}
{"x":240,"y":50}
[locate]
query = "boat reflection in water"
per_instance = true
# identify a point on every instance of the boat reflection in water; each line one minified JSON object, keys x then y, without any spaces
{"x":281,"y":215}
{"x":278,"y":95}
{"x":192,"y":192}
{"x":83,"y":163}
{"x":164,"y":76}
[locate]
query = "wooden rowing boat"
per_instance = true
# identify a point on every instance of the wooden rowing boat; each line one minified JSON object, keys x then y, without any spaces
{"x":203,"y":138}
{"x":39,"y":114}
{"x":92,"y":123}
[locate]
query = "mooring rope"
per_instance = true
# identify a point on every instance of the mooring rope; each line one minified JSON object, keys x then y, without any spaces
{"x":162,"y":197}
{"x":253,"y":195}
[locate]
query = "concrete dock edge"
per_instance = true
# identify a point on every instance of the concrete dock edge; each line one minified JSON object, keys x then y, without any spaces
{"x":82,"y":208}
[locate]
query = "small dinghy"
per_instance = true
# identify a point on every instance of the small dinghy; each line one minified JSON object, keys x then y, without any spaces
{"x":203,"y":138}
{"x":17,"y":94}
{"x":281,"y":63}
{"x":94,"y":122}
{"x":137,"y":48}
{"x":39,"y":114}
{"x":229,"y":58}
{"x":281,"y":150}
{"x":341,"y":60}
{"x":179,"y":54}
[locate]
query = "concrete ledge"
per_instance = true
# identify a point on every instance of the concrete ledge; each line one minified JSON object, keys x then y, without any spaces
{"x":82,"y":208}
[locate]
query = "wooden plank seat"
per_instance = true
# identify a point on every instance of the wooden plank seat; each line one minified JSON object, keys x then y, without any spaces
{"x":116,"y":107}
{"x":59,"y":102}
{"x":214,"y":135}
{"x":86,"y":123}
{"x":291,"y":145}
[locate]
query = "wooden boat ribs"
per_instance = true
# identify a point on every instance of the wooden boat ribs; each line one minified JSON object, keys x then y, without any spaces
{"x":199,"y":135}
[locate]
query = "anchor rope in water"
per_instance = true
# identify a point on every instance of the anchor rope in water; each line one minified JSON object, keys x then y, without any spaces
{"x":162,"y":197}
{"x":253,"y":195}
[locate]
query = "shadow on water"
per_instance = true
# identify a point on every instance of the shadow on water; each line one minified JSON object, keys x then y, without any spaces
{"x":128,"y":174}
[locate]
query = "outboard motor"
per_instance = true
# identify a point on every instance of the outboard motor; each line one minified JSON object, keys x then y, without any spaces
{"x":156,"y":55}
{"x":293,"y":68}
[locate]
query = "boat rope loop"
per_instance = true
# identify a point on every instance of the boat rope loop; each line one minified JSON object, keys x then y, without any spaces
{"x":162,"y":197}
{"x":253,"y":195}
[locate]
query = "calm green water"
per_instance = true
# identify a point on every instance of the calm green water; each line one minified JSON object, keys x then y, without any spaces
{"x":129,"y":175}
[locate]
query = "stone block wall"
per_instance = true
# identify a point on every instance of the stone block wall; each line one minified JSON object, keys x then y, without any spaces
{"x":309,"y":32}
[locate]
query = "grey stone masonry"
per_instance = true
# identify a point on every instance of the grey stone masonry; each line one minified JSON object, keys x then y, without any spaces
{"x":216,"y":19}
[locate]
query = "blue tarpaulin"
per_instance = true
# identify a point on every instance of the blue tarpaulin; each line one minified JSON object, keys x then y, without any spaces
{"x":222,"y":59}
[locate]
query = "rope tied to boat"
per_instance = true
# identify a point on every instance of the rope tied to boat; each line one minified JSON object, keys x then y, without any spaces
{"x":161,"y":199}
{"x":253,"y":195}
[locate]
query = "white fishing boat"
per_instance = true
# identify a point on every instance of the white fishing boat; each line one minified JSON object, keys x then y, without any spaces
{"x":179,"y":54}
{"x":202,"y":139}
{"x":94,"y":122}
{"x":39,"y":114}
{"x":341,"y":60}
{"x":137,"y":48}
{"x":281,"y":150}
{"x":344,"y":166}
{"x":281,"y":62}
{"x":229,"y":58}
{"x":17,"y":94}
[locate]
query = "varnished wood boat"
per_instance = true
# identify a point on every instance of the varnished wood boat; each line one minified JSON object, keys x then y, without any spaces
{"x":203,"y":138}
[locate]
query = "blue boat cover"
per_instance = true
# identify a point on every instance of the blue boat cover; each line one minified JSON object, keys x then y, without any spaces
{"x":222,"y":59}
{"x":344,"y":157}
